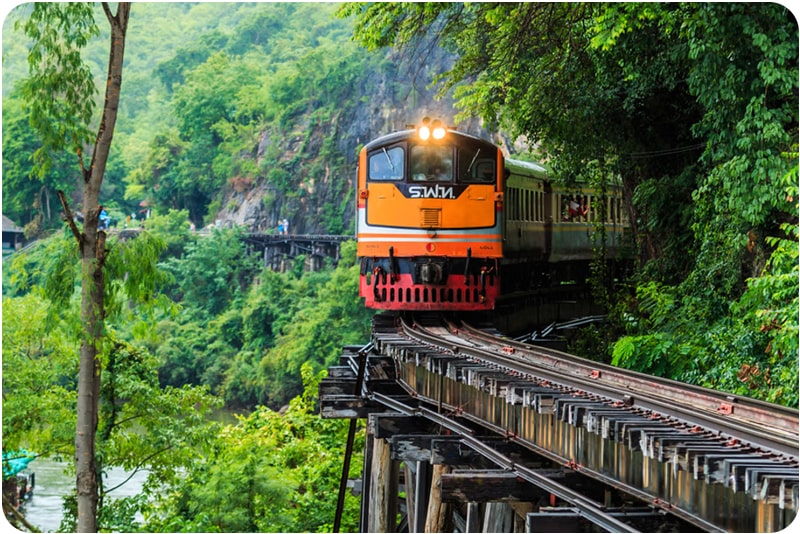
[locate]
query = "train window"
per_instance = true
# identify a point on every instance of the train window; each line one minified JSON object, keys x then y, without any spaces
{"x":482,"y":172}
{"x":575,"y":208}
{"x":387,"y":164}
{"x":476,"y":164}
{"x":529,"y":206}
{"x":539,"y":206}
{"x":431,"y":163}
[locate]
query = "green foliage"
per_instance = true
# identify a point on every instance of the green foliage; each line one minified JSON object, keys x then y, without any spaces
{"x":252,"y":352}
{"x":235,"y":83}
{"x":751,"y":121}
{"x":141,"y":425}
{"x":40,"y":367}
{"x":173,"y":227}
{"x":49,"y":269}
{"x":29,"y":199}
{"x":133,"y":275}
{"x":325,"y":320}
{"x":270,"y":473}
{"x":62,"y":31}
{"x":214,"y":271}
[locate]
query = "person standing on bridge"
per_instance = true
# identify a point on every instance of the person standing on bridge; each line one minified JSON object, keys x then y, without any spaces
{"x":105,"y":220}
{"x":286,"y":226}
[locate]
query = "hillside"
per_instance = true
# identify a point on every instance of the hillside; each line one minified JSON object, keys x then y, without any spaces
{"x":238,"y":113}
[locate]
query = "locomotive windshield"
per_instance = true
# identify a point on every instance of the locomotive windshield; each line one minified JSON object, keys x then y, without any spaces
{"x":465,"y":162}
{"x":431,"y":163}
{"x":387,"y":164}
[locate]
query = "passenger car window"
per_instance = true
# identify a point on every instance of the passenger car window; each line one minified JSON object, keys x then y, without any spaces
{"x":387,"y":164}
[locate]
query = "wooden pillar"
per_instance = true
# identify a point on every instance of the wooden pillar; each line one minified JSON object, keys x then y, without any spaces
{"x":498,"y":517}
{"x":474,"y":517}
{"x":411,"y":494}
{"x":521,"y":511}
{"x":383,"y":489}
{"x":366,"y":478}
{"x":438,"y":511}
{"x":422,"y":492}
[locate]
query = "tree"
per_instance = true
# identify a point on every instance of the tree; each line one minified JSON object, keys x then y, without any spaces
{"x":60,"y":93}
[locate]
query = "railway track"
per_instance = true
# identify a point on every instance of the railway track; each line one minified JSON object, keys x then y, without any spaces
{"x":714,"y":461}
{"x":770,"y":428}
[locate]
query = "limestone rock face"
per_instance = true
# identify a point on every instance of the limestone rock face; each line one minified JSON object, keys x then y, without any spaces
{"x":310,"y":181}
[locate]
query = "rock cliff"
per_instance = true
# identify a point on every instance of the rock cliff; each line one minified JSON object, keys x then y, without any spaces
{"x":311,"y":180}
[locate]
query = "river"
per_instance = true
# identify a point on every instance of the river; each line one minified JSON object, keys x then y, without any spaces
{"x":44,"y":509}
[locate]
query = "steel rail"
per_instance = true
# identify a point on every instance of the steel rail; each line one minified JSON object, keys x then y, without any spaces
{"x":661,"y":396}
{"x":587,"y":507}
{"x":645,"y":497}
{"x":749,"y":410}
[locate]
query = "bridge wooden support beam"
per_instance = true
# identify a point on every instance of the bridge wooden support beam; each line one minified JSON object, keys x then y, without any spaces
{"x":436,"y":481}
{"x":485,"y":486}
{"x":383,"y":489}
{"x":439,"y":512}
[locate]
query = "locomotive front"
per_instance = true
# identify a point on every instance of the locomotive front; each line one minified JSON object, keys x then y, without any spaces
{"x":429,"y":220}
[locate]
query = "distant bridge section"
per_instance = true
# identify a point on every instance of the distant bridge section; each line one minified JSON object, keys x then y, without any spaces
{"x":280,"y":250}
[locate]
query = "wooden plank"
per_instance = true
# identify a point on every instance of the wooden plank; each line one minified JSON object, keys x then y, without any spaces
{"x":422,"y":489}
{"x":366,"y":477}
{"x":418,"y":447}
{"x":450,"y":451}
{"x":340,"y":371}
{"x":336,"y":386}
{"x":347,"y":407}
{"x":473,"y":518}
{"x":485,"y":486}
{"x":392,"y":424}
{"x":410,"y":478}
{"x":381,"y":368}
{"x":498,"y":517}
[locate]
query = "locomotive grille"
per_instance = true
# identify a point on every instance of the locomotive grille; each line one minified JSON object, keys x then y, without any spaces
{"x":430,"y":217}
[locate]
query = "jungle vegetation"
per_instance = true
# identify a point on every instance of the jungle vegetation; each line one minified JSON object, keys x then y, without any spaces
{"x":694,"y":106}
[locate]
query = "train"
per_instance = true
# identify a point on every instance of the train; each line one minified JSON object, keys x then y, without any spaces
{"x":445,"y":222}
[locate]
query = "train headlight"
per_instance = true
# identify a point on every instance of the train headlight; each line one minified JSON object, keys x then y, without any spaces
{"x":431,"y":128}
{"x":424,"y":133}
{"x":438,"y":130}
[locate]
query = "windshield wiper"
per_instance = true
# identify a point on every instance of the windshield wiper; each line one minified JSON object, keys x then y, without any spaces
{"x":388,"y":159}
{"x":473,"y":160}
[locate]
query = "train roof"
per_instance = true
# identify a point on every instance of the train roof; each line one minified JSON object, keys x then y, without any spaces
{"x":527,"y":168}
{"x":405,"y":134}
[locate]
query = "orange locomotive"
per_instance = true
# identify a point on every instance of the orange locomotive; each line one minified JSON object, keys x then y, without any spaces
{"x":445,"y":222}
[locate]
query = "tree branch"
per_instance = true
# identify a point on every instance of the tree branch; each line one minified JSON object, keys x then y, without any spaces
{"x":70,"y":220}
{"x":138,"y":468}
{"x":17,"y":515}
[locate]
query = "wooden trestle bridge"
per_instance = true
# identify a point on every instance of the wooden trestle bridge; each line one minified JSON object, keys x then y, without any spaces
{"x":280,"y":250}
{"x":472,"y":433}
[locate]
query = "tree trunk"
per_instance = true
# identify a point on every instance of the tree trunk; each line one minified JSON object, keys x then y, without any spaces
{"x":92,"y":250}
